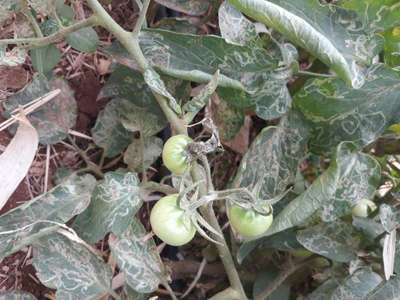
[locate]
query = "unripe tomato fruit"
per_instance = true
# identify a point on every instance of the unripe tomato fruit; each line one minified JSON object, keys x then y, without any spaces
{"x":168,"y":222}
{"x":363,"y":208}
{"x":174,"y":153}
{"x":248,"y":223}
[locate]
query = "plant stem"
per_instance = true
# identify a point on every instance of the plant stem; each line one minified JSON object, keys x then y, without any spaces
{"x":131,"y":43}
{"x":142,"y":18}
{"x":307,"y":73}
{"x":55,"y":37}
{"x":223,"y":250}
{"x":287,"y":271}
{"x":169,"y":289}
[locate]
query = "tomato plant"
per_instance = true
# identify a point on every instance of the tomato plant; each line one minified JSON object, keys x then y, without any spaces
{"x":290,"y":106}
{"x":168,"y":222}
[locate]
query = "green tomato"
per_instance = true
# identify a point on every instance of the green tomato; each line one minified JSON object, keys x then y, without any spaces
{"x":248,"y":223}
{"x":363,"y":208}
{"x":174,"y":153}
{"x":169,"y":222}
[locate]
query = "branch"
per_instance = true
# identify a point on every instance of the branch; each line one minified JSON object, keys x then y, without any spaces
{"x":131,"y":43}
{"x":142,"y":18}
{"x":55,"y":37}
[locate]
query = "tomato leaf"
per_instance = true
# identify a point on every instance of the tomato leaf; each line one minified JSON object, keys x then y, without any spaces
{"x":17,"y":295}
{"x":138,"y":258}
{"x":140,"y":157}
{"x":108,"y":132}
{"x":376,"y":15}
{"x":260,"y":82}
{"x":339,"y":113}
{"x":53,"y":119}
{"x":270,"y":164}
{"x":190,"y":7}
{"x":115,"y":201}
{"x":58,"y":262}
{"x":351,"y":177}
{"x":314,"y":27}
{"x":60,"y":204}
{"x":336,"y":240}
{"x":44,"y":59}
{"x":84,"y":40}
{"x":357,"y":285}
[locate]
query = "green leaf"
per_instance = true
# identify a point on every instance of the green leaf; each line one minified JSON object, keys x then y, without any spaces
{"x":392,"y":47}
{"x":376,"y":15}
{"x":314,"y":27}
{"x":324,"y":291}
{"x":140,"y":157}
{"x":189,"y":7}
{"x":336,"y":241}
{"x":282,"y":292}
{"x":260,"y":83}
{"x":60,"y":204}
{"x":388,"y":290}
{"x":44,"y":59}
{"x":270,"y":164}
{"x":339,"y":113}
{"x":53,"y":119}
{"x":236,"y":28}
{"x":70,"y":268}
{"x":131,"y":294}
{"x":370,"y":228}
{"x":138,"y":109}
{"x":157,"y":85}
{"x":284,"y":241}
{"x":357,"y":285}
{"x":84,"y":40}
{"x":17,"y":295}
{"x":108,"y":132}
{"x":138,"y":258}
{"x":388,"y":217}
{"x":350,"y":177}
{"x":201,"y":100}
{"x":177,"y":25}
{"x":115,"y":201}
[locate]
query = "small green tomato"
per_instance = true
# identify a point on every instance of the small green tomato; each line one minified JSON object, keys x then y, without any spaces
{"x":174,"y":153}
{"x":248,"y":223}
{"x":363,"y":208}
{"x":169,"y":223}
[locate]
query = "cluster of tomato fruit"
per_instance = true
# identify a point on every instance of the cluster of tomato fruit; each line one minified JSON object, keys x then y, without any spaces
{"x":168,"y":219}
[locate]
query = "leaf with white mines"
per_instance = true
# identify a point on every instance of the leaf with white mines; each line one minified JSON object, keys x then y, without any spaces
{"x":115,"y":201}
{"x":140,"y":155}
{"x":17,"y":295}
{"x":157,"y":85}
{"x":351,"y":176}
{"x":24,"y":224}
{"x":335,"y":240}
{"x":235,"y":28}
{"x":389,"y":253}
{"x":357,"y":285}
{"x":312,"y":26}
{"x":70,"y":268}
{"x":137,"y":256}
{"x":201,"y":100}
{"x":17,"y":158}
